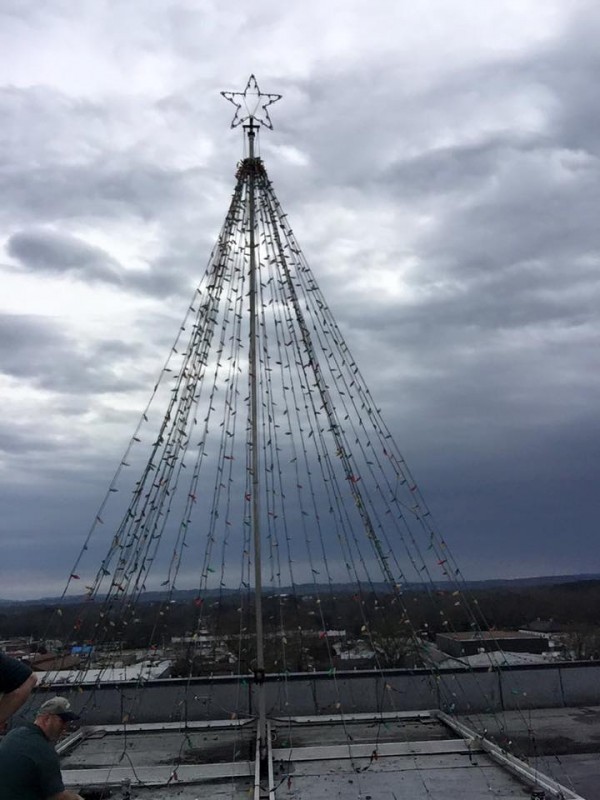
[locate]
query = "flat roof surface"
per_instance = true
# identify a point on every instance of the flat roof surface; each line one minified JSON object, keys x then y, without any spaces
{"x":405,"y":755}
{"x":477,"y":636}
{"x":564,"y":744}
{"x":554,"y":731}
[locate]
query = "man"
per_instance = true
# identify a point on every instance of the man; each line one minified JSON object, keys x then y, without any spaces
{"x":29,"y":764}
{"x":16,"y":683}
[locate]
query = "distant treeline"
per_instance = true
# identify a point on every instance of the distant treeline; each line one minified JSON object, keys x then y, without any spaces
{"x":576,"y":606}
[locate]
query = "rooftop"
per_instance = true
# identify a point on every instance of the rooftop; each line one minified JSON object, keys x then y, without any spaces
{"x":424,"y":754}
{"x":357,"y":734}
{"x":468,"y":636}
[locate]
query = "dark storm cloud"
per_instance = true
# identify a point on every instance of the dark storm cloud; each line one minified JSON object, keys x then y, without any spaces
{"x":453,"y":169}
{"x":555,"y":293}
{"x":95,"y":189}
{"x":568,"y":73}
{"x":19,"y":440}
{"x":521,"y":196}
{"x":535,"y":205}
{"x":49,"y":251}
{"x":523,"y":508}
{"x":166,"y":277}
{"x":503,"y":357}
{"x":87,"y":168}
{"x":37,"y":350}
{"x":107,"y":187}
{"x":539,"y":99}
{"x":501,"y":317}
{"x":58,"y":253}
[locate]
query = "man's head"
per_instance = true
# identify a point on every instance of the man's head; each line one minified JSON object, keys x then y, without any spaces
{"x":54,"y":716}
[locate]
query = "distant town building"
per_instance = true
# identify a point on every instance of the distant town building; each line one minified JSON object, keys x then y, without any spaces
{"x":469,"y":643}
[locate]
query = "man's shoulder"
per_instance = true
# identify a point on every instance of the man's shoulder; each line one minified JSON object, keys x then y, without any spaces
{"x":13,"y":673}
{"x":29,"y":735}
{"x":26,"y":729}
{"x":29,"y":765}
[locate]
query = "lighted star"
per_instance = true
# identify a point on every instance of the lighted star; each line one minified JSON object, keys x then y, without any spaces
{"x":251,"y":106}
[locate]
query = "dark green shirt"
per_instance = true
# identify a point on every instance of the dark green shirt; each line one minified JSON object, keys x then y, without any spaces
{"x":12,"y":673}
{"x":29,"y":765}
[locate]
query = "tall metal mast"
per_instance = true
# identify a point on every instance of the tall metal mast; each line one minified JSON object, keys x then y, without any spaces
{"x":255,"y":105}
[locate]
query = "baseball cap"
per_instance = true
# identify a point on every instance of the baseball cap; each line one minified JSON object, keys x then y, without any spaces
{"x":59,"y":706}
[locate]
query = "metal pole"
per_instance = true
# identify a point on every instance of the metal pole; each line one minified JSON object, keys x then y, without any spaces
{"x":251,"y":129}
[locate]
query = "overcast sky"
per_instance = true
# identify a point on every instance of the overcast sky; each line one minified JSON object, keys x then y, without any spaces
{"x":439,"y":162}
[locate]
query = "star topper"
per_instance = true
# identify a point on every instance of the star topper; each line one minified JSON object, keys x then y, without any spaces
{"x":251,"y":98}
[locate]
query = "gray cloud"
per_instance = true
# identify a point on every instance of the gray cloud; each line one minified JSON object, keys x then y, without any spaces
{"x":19,"y":440}
{"x":37,"y":350}
{"x":58,"y":253}
{"x":95,"y":189}
{"x":49,"y":251}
